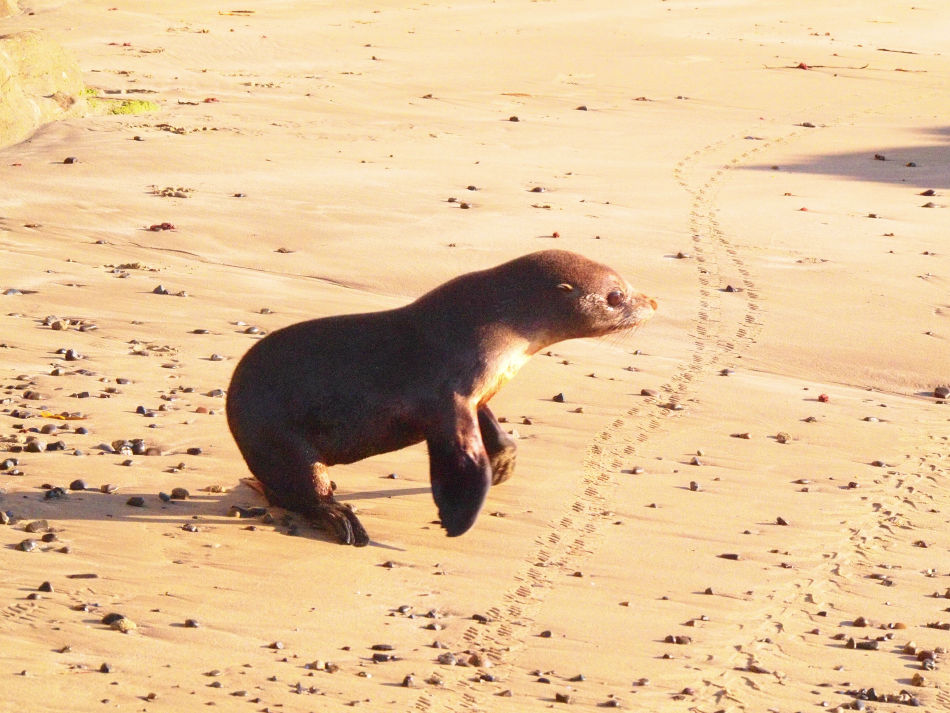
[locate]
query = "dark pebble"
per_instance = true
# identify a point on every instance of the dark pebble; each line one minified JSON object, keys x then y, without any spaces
{"x":160,"y":290}
{"x":546,"y":634}
{"x":558,"y":397}
{"x":37,"y":526}
{"x":28,"y":545}
{"x":136,"y":501}
{"x":70,"y":160}
{"x":563,"y":698}
{"x":9,"y":463}
{"x":192,"y":624}
{"x":45,"y":587}
{"x":729,"y":556}
{"x":383,"y":658}
{"x":180,"y":494}
{"x":195,"y":451}
{"x":78,"y":485}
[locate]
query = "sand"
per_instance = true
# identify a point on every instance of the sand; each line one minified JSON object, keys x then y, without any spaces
{"x":317,"y":147}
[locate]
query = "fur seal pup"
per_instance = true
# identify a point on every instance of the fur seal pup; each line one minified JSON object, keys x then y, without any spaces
{"x":340,"y":389}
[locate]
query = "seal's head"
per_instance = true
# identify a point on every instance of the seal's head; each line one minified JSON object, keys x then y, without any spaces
{"x":565,"y":296}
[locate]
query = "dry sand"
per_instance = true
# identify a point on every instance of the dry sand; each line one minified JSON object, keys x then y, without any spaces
{"x":346,"y":127}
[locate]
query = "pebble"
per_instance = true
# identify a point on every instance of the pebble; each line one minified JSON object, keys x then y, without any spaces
{"x":28,"y":545}
{"x":78,"y":485}
{"x":649,"y":392}
{"x":942,"y":392}
{"x":694,"y":486}
{"x":563,"y":698}
{"x":37,"y":526}
{"x":136,"y":501}
{"x":559,"y":398}
{"x":179,"y":494}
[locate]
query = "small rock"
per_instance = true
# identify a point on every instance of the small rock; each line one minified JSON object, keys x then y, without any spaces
{"x":136,"y":501}
{"x":123,"y":624}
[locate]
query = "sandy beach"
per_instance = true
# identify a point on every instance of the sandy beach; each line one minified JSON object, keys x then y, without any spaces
{"x":741,"y":506}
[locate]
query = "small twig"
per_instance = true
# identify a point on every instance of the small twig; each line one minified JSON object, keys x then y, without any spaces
{"x":884,"y":49}
{"x":802,"y":65}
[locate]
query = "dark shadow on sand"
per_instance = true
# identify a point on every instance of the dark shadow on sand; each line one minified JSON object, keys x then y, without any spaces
{"x":929,"y":171}
{"x":201,"y":509}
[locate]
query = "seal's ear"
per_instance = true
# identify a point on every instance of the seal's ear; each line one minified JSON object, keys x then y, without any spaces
{"x":460,"y":472}
{"x":565,"y":287}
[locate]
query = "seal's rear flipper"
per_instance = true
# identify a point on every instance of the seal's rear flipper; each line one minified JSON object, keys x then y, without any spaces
{"x":461,"y":475}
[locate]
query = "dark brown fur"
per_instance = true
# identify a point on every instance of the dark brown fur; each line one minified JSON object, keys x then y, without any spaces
{"x":339,"y":389}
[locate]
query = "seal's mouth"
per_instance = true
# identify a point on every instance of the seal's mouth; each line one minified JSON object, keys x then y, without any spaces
{"x":642,"y":311}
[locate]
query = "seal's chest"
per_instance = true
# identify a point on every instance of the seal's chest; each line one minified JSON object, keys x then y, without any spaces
{"x":504,"y":369}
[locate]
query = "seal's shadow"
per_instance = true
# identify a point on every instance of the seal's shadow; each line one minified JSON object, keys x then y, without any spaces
{"x":242,"y":506}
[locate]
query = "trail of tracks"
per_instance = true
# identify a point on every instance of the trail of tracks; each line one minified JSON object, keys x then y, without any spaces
{"x":718,"y":332}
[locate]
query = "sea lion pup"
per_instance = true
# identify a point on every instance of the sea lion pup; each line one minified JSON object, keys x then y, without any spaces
{"x":339,"y":389}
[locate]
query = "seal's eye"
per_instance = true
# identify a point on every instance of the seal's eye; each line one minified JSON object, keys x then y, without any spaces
{"x":564,"y":287}
{"x":615,"y":298}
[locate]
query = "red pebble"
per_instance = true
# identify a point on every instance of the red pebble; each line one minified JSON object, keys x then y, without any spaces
{"x":803,"y":209}
{"x":823,"y":398}
{"x":210,"y":100}
{"x":802,"y":65}
{"x":555,"y":234}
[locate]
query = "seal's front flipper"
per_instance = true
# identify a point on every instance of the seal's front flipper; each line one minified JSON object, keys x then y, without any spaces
{"x":460,"y":472}
{"x":501,"y":447}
